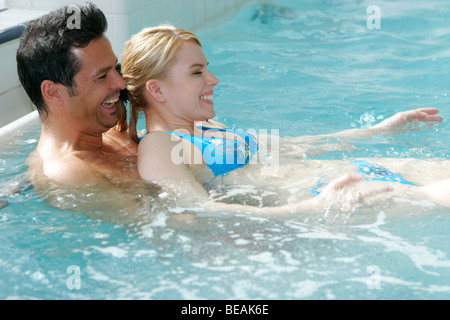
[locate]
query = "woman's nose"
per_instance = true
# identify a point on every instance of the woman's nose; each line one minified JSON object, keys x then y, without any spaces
{"x":212,"y":79}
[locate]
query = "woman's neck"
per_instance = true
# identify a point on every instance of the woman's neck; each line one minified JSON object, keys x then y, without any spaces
{"x":156,"y":121}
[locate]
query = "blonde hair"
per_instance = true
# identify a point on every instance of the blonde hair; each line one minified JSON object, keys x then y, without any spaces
{"x":149,"y":55}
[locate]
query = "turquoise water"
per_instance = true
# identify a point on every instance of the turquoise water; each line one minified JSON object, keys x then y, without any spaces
{"x":306,"y":68}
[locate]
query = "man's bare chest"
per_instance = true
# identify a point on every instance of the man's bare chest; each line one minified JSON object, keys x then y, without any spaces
{"x":113,"y":165}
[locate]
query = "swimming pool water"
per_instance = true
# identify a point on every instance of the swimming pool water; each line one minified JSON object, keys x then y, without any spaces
{"x":303,"y":68}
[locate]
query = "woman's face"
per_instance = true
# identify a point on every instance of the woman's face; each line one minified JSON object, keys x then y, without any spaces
{"x":188,"y":85}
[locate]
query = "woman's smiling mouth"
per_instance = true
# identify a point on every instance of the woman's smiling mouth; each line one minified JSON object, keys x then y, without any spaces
{"x":207,"y":98}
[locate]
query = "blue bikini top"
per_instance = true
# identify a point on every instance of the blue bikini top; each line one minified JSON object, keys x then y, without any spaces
{"x":223,"y":155}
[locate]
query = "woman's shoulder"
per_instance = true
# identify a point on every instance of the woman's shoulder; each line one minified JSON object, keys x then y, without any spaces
{"x":156,"y":146}
{"x":157,"y":136}
{"x":213,"y":124}
{"x":159,"y":156}
{"x":157,"y":141}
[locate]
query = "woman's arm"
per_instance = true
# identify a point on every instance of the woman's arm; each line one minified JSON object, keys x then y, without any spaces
{"x":438,"y":192}
{"x":336,"y":195}
{"x":400,"y":122}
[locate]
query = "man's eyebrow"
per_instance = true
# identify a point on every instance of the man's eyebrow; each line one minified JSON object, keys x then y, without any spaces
{"x":104,"y":70}
{"x":101,"y":71}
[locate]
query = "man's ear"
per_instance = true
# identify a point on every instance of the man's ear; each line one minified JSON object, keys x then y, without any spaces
{"x":50,"y":92}
{"x":154,"y":89}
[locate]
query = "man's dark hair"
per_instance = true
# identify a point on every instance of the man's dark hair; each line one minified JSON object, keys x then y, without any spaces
{"x":45,"y":49}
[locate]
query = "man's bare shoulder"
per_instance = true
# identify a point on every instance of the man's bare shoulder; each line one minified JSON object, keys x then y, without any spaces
{"x":70,"y":170}
{"x":67,"y":169}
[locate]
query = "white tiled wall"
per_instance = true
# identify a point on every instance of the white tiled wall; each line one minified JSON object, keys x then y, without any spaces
{"x":14,"y":102}
{"x":125,"y":17}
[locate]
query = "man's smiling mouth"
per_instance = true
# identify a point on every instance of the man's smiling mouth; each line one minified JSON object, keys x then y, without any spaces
{"x":110,"y":103}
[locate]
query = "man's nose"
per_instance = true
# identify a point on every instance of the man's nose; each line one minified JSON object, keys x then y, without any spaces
{"x":117,"y":81}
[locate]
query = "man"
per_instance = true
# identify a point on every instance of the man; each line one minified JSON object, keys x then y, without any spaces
{"x":69,"y":74}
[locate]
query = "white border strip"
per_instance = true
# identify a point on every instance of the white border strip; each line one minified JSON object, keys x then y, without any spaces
{"x":29,"y":121}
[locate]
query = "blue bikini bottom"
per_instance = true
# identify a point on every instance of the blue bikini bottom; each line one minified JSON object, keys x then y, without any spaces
{"x":371,"y":172}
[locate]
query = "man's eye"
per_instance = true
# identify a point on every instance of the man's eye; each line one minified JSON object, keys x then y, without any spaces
{"x":103,"y":77}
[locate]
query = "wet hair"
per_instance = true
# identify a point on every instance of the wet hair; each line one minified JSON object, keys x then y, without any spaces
{"x":122,"y":121}
{"x":149,"y":55}
{"x":45,"y":50}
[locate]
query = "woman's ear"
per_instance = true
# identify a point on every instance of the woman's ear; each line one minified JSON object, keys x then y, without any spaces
{"x":50,"y":92}
{"x":154,"y":89}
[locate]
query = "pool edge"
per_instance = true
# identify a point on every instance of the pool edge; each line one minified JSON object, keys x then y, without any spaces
{"x":13,"y":129}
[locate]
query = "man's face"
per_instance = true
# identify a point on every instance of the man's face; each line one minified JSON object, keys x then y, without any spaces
{"x":97,"y":87}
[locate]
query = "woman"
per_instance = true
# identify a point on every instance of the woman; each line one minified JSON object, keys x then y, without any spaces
{"x":167,"y":78}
